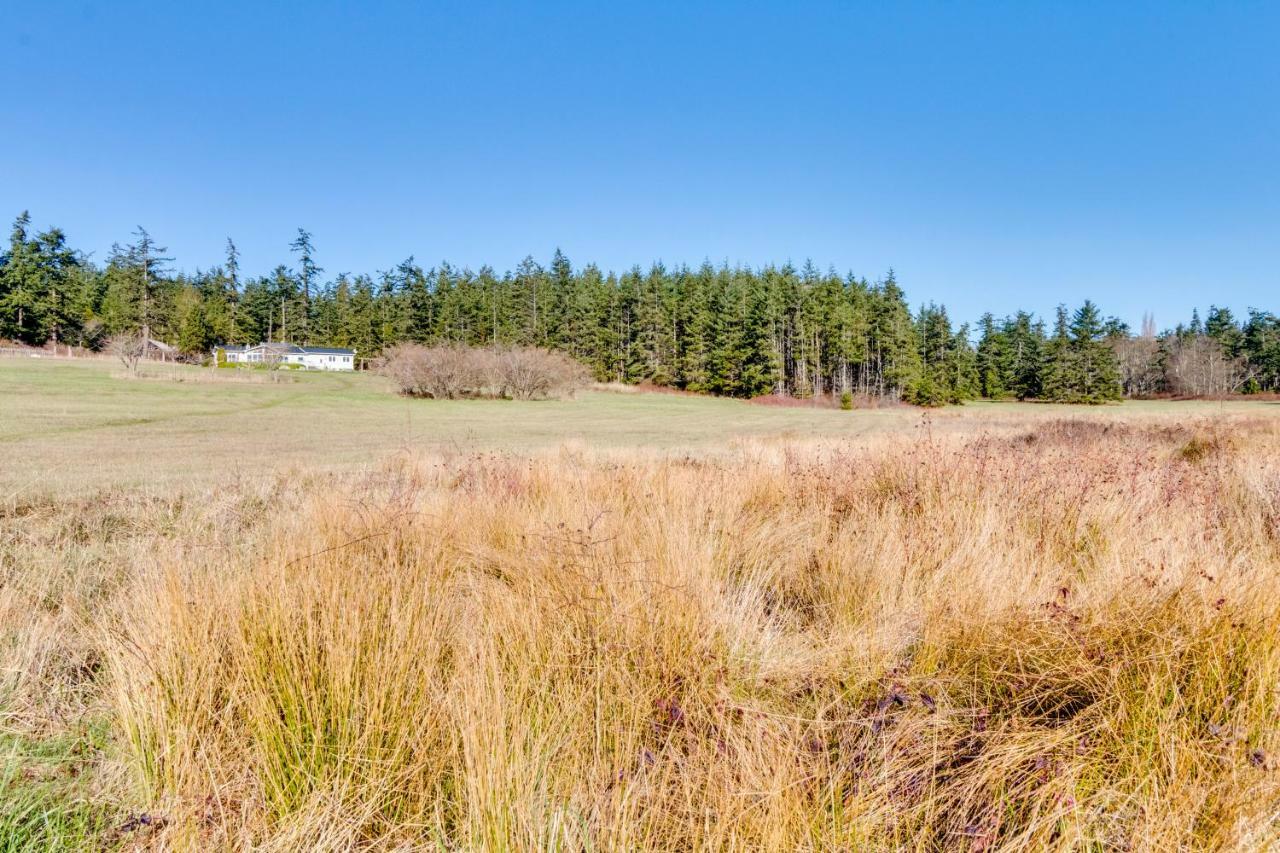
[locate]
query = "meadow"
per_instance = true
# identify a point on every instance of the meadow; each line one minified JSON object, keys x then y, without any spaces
{"x":78,"y":426}
{"x":313,"y":615}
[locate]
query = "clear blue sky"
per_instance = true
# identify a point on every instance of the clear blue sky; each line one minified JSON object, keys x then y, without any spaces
{"x":996,"y":155}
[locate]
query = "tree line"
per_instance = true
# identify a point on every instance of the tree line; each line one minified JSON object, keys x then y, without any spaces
{"x":714,"y":329}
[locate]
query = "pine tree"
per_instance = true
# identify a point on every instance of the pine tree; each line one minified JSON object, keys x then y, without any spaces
{"x":1221,"y":326}
{"x":893,"y":355}
{"x":948,"y":364}
{"x":933,"y":334}
{"x":1057,"y":370}
{"x":231,"y":290}
{"x":694,"y":327}
{"x":1097,"y":373}
{"x":991,"y":360}
{"x":362,"y":321}
{"x":653,"y":353}
{"x":135,"y":297}
{"x":308,"y":280}
{"x":19,"y":285}
{"x":531,"y":284}
{"x":418,"y":301}
{"x":587,"y":321}
{"x":964,"y":360}
{"x":1079,"y":365}
{"x":195,"y":333}
{"x":759,"y":371}
{"x":560,"y":293}
{"x":1261,"y":346}
{"x":147,"y":259}
{"x":1195,"y":328}
{"x":727,"y":330}
{"x":1023,"y":366}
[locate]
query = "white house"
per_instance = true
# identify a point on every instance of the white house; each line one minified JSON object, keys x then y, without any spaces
{"x":311,"y":358}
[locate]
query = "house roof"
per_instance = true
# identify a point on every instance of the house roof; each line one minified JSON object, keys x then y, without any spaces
{"x":329,"y":350}
{"x":289,"y":349}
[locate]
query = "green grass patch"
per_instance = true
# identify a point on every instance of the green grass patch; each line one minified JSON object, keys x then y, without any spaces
{"x":46,"y":801}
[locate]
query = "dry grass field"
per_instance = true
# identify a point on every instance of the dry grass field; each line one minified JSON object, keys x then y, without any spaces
{"x":79,"y":427}
{"x":313,"y":616}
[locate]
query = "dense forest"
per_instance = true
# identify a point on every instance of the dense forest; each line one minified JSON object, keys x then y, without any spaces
{"x":721,"y":330}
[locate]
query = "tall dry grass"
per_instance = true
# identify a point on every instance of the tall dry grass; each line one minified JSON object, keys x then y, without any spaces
{"x":1064,"y":638}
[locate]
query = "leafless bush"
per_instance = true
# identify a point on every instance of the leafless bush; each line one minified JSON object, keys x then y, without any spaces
{"x":1141,"y":374}
{"x":451,"y":371}
{"x":441,"y":372}
{"x":1199,"y":367}
{"x":525,"y":373}
{"x":130,"y":348}
{"x":273,"y":361}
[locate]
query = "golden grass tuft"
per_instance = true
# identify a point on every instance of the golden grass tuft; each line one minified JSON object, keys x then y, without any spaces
{"x":1064,"y":637}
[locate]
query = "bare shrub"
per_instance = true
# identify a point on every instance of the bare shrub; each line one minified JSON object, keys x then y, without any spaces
{"x":130,"y":348}
{"x":1141,"y":373}
{"x":1200,"y":367}
{"x":273,"y":362}
{"x":441,"y":372}
{"x":526,"y":373}
{"x":451,"y":371}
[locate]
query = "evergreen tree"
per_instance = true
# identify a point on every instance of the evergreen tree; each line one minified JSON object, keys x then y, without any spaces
{"x":992,"y":360}
{"x":231,"y":290}
{"x":1023,"y":367}
{"x":965,"y":384}
{"x":531,"y":284}
{"x":737,"y":331}
{"x":948,"y":365}
{"x":893,"y":360}
{"x":1081,"y":367}
{"x":61,"y":304}
{"x":933,"y":386}
{"x":1098,"y":373}
{"x":419,"y":301}
{"x":757,"y":356}
{"x":1195,"y":328}
{"x":308,"y":270}
{"x":20,"y":285}
{"x":560,"y":293}
{"x":1261,"y":346}
{"x":1057,"y":370}
{"x":654,"y":353}
{"x":195,"y":333}
{"x":694,"y":327}
{"x":1221,"y":326}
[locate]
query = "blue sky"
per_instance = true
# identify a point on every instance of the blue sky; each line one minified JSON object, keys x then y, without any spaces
{"x":997,"y":155}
